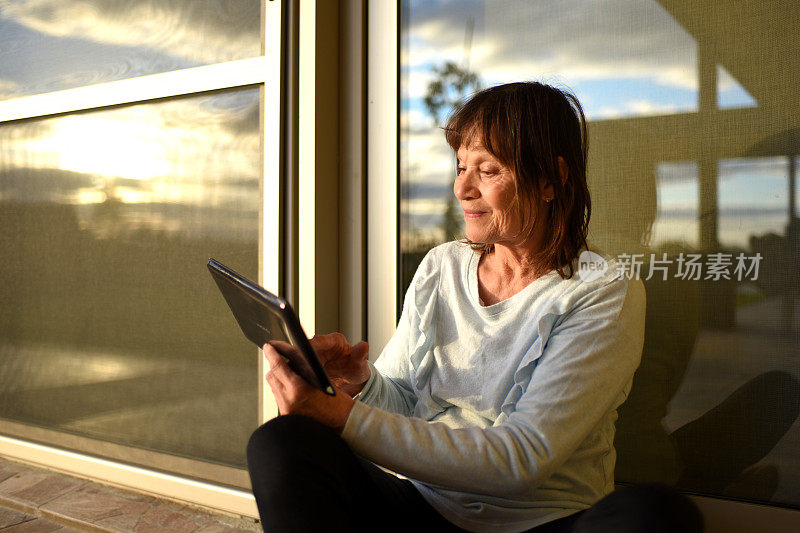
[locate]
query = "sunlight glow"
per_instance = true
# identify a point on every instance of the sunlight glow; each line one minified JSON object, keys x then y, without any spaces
{"x":88,"y":196}
{"x":110,"y":147}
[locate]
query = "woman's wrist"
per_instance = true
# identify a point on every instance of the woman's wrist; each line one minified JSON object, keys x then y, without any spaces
{"x":354,"y":389}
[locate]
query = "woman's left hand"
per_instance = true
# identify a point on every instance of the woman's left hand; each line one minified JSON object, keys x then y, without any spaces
{"x":295,"y":395}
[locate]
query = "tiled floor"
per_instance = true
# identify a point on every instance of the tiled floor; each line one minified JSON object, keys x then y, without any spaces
{"x":34,"y":500}
{"x":16,"y":522}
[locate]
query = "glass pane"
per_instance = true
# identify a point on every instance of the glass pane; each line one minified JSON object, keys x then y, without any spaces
{"x":111,"y":326}
{"x":676,"y":221}
{"x":694,"y":141}
{"x":753,"y":195}
{"x":48,"y":45}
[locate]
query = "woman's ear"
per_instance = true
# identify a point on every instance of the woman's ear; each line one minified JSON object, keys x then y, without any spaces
{"x":547,"y":189}
{"x":547,"y":193}
{"x":563,"y":170}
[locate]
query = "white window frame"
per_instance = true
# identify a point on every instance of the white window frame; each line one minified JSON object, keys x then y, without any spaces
{"x":383,"y":108}
{"x":264,"y":71}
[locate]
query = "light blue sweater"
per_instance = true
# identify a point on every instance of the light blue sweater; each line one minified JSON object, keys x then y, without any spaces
{"x":502,"y":416}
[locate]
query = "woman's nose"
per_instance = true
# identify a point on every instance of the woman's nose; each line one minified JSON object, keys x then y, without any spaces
{"x":464,"y":186}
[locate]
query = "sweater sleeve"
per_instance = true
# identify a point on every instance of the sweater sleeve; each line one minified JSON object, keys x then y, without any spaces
{"x":582,"y":374}
{"x":393,"y":392}
{"x":389,"y":386}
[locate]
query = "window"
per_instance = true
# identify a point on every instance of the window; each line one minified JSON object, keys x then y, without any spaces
{"x":109,"y":324}
{"x":136,"y":141}
{"x":693,"y":136}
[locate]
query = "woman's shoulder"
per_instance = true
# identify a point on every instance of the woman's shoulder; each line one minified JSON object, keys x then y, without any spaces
{"x":452,"y":252}
{"x":598,"y":282}
{"x":444,"y":260}
{"x":604,"y":285}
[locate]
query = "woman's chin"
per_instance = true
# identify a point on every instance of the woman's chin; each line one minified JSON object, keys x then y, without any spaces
{"x":471,"y":236}
{"x":477,"y":237}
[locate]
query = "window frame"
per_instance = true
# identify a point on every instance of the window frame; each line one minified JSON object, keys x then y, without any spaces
{"x":383,"y":111}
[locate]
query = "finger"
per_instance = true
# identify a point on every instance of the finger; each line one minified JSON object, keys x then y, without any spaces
{"x":289,"y":352}
{"x":280,"y":346}
{"x":275,"y":362}
{"x":271,"y":355}
{"x":336,"y":340}
{"x":332,"y":341}
{"x":323,"y":354}
{"x":328,"y":348}
{"x":284,"y":407}
{"x":277,"y":387}
{"x":318,"y":345}
{"x":327,"y":356}
{"x":289,"y":391}
{"x":279,"y":368}
{"x":278,"y":391}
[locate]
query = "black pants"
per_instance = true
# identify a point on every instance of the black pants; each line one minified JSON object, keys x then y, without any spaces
{"x":306,"y":479}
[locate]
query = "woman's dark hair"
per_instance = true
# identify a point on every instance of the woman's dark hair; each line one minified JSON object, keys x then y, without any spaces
{"x":527,"y":126}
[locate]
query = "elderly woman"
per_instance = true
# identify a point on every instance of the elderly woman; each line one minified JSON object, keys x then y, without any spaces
{"x":492,"y":407}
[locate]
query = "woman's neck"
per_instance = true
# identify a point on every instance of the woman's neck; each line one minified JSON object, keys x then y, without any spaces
{"x":517,"y":263}
{"x":505,"y":271}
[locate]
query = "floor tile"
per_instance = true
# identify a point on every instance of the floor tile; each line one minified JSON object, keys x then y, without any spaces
{"x":21,"y":481}
{"x":6,"y":473}
{"x":10,"y":518}
{"x":92,"y":503}
{"x":162,"y":518}
{"x":37,"y":526}
{"x":46,"y":489}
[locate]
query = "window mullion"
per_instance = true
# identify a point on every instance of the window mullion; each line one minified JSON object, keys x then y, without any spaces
{"x":176,"y":83}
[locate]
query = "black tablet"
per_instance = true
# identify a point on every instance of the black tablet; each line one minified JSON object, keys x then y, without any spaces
{"x":264,"y":316}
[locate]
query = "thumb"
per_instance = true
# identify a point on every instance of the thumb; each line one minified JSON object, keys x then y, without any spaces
{"x":360,"y":350}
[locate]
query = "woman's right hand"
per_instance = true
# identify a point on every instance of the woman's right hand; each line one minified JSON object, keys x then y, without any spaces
{"x":345,"y":365}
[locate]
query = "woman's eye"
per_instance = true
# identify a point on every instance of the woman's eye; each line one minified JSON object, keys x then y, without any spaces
{"x":459,"y":170}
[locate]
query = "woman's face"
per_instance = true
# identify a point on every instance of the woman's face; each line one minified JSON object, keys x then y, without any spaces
{"x":486,"y":189}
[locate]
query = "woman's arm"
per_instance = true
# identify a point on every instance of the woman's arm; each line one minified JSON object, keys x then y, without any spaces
{"x":390,"y":385}
{"x":391,"y":390}
{"x":581,"y":376}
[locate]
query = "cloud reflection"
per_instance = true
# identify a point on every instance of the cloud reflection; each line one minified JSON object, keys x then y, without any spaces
{"x":206,"y":31}
{"x":48,"y":45}
{"x":200,"y":153}
{"x":568,"y":41}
